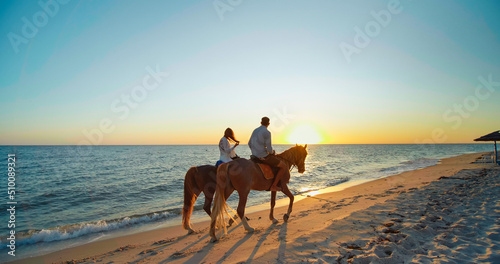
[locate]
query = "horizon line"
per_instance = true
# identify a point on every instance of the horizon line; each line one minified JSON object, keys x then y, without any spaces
{"x":281,"y":144}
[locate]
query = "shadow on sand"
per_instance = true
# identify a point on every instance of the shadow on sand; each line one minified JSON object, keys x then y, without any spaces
{"x":259,"y":243}
{"x":233,"y":248}
{"x":161,"y":245}
{"x":200,"y":254}
{"x":282,"y":239}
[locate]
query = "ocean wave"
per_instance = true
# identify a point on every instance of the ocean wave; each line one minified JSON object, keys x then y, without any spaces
{"x":421,"y":161}
{"x":407,"y":166}
{"x":158,"y":188}
{"x":82,"y":229}
{"x":339,"y":181}
{"x":76,"y":190}
{"x":316,"y":186}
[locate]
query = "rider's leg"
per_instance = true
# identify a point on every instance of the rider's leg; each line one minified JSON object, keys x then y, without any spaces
{"x":279,"y":176}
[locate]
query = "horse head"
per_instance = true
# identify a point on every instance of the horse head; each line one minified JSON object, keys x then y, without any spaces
{"x":300,"y":157}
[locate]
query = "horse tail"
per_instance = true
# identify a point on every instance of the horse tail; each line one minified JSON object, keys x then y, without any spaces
{"x":219,"y":209}
{"x":189,"y":197}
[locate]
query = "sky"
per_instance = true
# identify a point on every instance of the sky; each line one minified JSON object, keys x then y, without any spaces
{"x":180,"y":72}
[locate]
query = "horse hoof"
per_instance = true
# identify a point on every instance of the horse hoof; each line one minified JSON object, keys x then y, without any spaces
{"x":275,"y":221}
{"x":231,"y":221}
{"x":285,"y":217}
{"x":213,"y":240}
{"x":250,"y":230}
{"x":190,"y":231}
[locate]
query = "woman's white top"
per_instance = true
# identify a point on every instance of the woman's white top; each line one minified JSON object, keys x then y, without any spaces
{"x":226,"y":152}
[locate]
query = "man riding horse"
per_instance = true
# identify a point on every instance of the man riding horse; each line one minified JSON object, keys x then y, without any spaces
{"x":260,"y":145}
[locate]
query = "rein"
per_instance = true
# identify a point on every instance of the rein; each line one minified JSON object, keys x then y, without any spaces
{"x":291,"y":164}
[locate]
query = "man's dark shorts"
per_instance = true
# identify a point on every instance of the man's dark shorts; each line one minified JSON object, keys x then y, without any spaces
{"x":271,"y":160}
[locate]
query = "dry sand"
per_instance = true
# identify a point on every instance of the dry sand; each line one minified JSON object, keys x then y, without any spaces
{"x":448,"y":213}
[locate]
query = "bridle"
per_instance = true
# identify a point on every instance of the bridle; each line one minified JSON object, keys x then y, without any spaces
{"x":293,"y":164}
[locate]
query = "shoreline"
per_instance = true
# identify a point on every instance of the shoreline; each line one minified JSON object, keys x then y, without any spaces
{"x":170,"y":242}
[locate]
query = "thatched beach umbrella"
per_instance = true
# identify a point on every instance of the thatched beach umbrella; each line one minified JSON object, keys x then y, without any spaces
{"x":495,"y":136}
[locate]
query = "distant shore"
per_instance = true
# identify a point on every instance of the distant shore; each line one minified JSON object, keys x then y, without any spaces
{"x":377,"y":220}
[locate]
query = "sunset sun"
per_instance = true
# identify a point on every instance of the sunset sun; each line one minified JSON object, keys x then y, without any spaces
{"x":304,"y":134}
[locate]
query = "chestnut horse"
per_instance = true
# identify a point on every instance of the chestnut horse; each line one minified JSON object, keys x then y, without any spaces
{"x":243,"y":175}
{"x":198,"y":179}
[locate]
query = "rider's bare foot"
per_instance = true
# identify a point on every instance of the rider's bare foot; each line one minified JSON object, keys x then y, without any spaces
{"x":275,"y":189}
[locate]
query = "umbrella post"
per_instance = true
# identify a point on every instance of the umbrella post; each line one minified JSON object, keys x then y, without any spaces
{"x":496,"y":154}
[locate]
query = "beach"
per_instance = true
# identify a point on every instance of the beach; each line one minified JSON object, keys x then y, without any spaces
{"x":115,"y":115}
{"x":444,"y":213}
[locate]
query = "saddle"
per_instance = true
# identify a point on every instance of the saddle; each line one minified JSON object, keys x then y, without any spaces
{"x":268,"y":171}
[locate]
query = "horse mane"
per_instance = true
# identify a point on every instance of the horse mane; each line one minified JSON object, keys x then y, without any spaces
{"x":291,"y":155}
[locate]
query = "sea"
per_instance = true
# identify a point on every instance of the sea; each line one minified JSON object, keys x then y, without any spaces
{"x":71,"y":195}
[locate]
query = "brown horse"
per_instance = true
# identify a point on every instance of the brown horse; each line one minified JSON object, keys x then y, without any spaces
{"x":198,"y":179}
{"x":243,"y":175}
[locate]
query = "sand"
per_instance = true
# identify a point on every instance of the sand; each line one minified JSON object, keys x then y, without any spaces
{"x":448,"y":213}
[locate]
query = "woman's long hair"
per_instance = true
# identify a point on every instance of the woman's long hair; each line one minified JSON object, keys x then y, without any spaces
{"x":229,"y":134}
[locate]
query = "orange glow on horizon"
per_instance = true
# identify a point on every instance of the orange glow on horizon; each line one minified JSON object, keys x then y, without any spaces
{"x":304,"y":134}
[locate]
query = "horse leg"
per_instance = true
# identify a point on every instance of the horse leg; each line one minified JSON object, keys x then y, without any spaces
{"x":208,"y":204}
{"x":191,"y":192}
{"x":209,"y":191}
{"x":188,"y":209}
{"x":273,"y":203}
{"x":287,"y":192}
{"x":241,"y":211}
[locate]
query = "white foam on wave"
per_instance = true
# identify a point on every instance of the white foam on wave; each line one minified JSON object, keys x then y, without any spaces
{"x":406,"y":166}
{"x":420,"y":163}
{"x":79,"y":230}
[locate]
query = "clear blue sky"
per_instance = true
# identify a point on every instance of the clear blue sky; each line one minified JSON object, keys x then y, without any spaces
{"x":417,"y":78}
